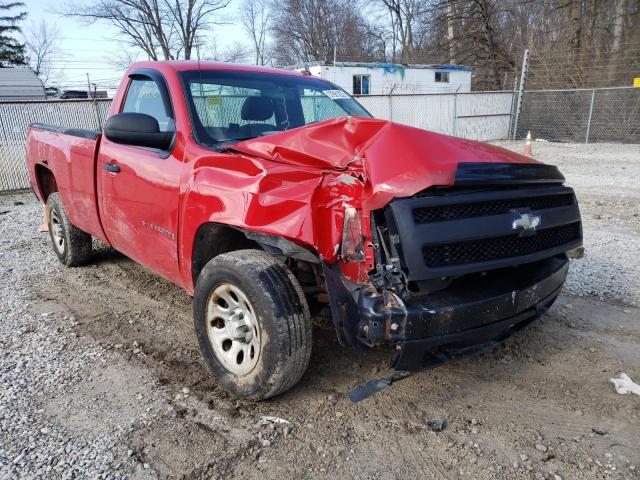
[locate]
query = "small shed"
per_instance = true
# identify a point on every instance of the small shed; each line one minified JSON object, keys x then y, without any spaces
{"x":391,"y":78}
{"x":20,"y":83}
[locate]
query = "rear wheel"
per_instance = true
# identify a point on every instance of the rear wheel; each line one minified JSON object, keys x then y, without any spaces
{"x":252,"y":323}
{"x":71,"y":245}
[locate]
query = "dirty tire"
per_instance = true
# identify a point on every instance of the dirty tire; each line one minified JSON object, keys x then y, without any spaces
{"x":281,"y":313}
{"x":76,"y":244}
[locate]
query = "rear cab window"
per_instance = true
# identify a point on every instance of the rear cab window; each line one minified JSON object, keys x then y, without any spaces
{"x":227,"y":111}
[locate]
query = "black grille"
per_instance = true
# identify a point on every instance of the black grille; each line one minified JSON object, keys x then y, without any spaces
{"x":491,"y":207}
{"x":499,"y":247}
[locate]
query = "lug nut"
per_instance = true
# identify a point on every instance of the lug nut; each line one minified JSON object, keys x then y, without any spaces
{"x":394,"y":327}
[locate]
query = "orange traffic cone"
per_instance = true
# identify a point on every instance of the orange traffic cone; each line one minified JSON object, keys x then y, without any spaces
{"x":527,"y":145}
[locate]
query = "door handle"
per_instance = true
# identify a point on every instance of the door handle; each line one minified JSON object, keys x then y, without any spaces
{"x":111,"y":167}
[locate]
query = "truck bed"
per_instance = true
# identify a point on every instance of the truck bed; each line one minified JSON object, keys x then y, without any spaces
{"x":71,"y":155}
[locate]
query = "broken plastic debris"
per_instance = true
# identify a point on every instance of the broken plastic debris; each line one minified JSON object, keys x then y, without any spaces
{"x":272,"y":419}
{"x":374,"y":386}
{"x":625,"y":385}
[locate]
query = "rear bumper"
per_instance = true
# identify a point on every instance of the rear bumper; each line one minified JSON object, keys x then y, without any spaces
{"x":427,"y":330}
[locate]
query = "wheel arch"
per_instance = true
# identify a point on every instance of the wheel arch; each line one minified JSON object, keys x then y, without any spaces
{"x":46,"y":182}
{"x":213,"y":239}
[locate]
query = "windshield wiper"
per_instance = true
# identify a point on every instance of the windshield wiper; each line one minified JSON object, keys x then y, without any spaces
{"x":223,"y":145}
{"x":239,"y":139}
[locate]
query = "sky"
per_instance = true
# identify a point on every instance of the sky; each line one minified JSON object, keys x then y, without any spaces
{"x":88,"y":49}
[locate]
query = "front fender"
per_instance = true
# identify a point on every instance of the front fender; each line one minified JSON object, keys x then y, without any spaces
{"x":267,"y":200}
{"x":243,"y":193}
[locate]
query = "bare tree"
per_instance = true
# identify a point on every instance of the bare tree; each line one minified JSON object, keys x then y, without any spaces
{"x":42,"y":42}
{"x":167,"y":29}
{"x":256,"y":21}
{"x":237,"y":52}
{"x":122,"y":59}
{"x":405,"y":26}
{"x":189,"y":18}
{"x":383,"y":41}
{"x":573,"y":43}
{"x":575,"y":26}
{"x":141,"y":23}
{"x":306,"y":30}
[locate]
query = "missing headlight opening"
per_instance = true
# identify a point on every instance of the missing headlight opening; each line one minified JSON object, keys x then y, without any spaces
{"x":351,"y":247}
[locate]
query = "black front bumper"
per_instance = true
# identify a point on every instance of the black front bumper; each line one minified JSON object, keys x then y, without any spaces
{"x":426,"y":330}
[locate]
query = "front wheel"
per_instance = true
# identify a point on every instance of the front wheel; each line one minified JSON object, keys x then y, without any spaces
{"x":253,"y":324}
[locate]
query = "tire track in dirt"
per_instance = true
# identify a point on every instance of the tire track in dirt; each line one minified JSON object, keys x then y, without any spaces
{"x":509,"y":391}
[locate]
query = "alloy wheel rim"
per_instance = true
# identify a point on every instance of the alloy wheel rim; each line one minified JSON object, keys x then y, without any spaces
{"x":233,"y":329}
{"x":55,"y":226}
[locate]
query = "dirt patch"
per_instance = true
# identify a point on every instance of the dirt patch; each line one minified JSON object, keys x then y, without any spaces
{"x":128,"y":394}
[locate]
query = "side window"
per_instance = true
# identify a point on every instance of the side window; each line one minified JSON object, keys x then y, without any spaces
{"x":442,"y":77}
{"x":143,"y":96}
{"x":361,"y":84}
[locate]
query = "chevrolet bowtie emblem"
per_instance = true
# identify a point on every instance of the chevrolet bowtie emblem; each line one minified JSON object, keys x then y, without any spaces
{"x":526,"y":222}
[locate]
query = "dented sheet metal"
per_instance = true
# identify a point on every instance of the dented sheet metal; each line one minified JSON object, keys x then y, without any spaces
{"x":393,"y":160}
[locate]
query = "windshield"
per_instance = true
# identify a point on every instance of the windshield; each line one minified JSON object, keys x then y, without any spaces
{"x":229,"y":106}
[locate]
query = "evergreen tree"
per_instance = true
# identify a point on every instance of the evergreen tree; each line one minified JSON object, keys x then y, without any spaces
{"x":12,"y":52}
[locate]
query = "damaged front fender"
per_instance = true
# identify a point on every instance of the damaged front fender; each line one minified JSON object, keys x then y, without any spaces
{"x":298,"y":212}
{"x":281,"y":246}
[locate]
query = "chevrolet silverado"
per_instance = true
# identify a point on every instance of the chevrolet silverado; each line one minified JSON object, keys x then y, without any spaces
{"x":271,"y":195}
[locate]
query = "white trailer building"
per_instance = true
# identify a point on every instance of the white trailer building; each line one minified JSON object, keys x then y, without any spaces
{"x":392,"y":78}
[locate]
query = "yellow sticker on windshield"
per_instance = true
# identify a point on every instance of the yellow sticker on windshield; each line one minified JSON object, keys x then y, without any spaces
{"x":213,"y":101}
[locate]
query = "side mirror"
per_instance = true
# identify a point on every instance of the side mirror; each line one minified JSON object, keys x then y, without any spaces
{"x":137,"y":129}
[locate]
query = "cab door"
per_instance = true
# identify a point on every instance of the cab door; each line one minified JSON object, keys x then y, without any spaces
{"x":139,"y":186}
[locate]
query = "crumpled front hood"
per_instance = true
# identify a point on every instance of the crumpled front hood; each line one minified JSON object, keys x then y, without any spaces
{"x":395,"y":160}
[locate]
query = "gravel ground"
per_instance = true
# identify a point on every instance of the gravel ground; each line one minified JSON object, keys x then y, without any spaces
{"x":100,"y":375}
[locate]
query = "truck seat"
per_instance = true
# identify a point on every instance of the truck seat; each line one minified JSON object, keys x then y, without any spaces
{"x":257,"y":109}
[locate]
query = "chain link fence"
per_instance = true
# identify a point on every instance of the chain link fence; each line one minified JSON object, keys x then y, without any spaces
{"x":15,"y":117}
{"x":578,"y":115}
{"x":581,"y":115}
{"x":481,"y":116}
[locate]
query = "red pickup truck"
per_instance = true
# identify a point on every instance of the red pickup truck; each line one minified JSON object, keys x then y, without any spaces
{"x":271,"y":195}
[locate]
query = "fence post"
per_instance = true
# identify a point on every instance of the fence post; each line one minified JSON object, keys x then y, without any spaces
{"x":512,"y":107}
{"x":455,"y":112}
{"x":96,"y":111}
{"x":523,"y":74}
{"x":391,"y":102}
{"x":593,"y":97}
